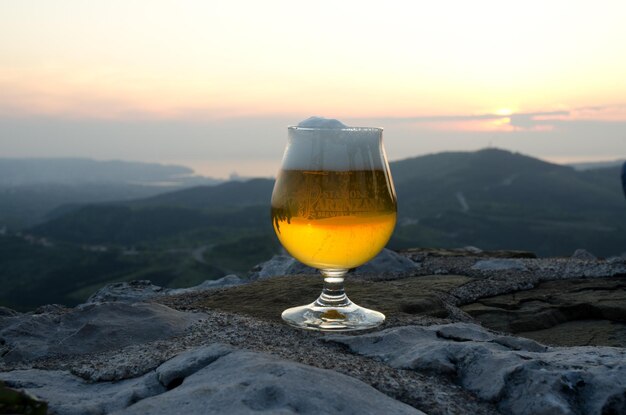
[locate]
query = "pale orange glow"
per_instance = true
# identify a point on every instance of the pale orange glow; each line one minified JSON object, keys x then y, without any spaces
{"x":499,"y":124}
{"x":161,"y":59}
{"x":582,"y":159}
{"x":225,"y":168}
{"x":504,"y":111}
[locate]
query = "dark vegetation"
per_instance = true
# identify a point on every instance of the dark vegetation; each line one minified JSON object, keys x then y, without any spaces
{"x":491,"y":199}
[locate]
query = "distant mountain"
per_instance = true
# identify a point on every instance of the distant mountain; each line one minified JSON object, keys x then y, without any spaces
{"x":27,"y":205}
{"x":492,"y":199}
{"x":495,"y":199}
{"x":215,"y":198}
{"x":32,"y":190}
{"x":230,"y":205}
{"x":497,"y":181}
{"x":72,"y":171}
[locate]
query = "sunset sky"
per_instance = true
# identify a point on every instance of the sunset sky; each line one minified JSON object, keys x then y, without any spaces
{"x":213,"y":84}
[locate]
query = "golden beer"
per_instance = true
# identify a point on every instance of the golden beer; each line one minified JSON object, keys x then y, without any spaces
{"x":333,"y":219}
{"x":333,"y":208}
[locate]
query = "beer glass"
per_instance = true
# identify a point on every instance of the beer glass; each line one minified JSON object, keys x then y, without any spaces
{"x":334,"y":208}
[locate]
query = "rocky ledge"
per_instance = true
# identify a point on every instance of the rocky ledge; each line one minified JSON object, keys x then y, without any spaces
{"x":467,"y":332}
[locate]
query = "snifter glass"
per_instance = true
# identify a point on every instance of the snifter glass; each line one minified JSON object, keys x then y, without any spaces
{"x":334,"y":208}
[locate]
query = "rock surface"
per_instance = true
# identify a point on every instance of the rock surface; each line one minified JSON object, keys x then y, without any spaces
{"x":499,"y":265}
{"x":217,"y":379}
{"x":403,"y":300}
{"x":522,"y":377}
{"x":139,"y":348}
{"x":387,"y":263}
{"x":418,"y":254}
{"x":67,"y":394}
{"x":143,"y":290}
{"x":87,"y":329}
{"x":584,"y":255}
{"x":248,"y":382}
{"x":598,"y":305}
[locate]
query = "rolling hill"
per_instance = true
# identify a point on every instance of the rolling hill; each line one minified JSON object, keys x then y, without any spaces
{"x":492,"y":199}
{"x":495,"y":199}
{"x":31,"y":189}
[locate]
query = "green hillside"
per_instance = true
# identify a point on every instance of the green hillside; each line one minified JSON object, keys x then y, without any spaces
{"x":495,"y":199}
{"x":33,"y":273}
{"x":222,"y":197}
{"x":176,"y":239}
{"x":491,"y":199}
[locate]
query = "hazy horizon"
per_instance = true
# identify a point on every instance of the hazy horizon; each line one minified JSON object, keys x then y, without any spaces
{"x":254,"y":146}
{"x":214,"y":85}
{"x":270,"y":168}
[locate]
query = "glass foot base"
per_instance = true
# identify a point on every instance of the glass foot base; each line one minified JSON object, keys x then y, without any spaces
{"x":350,"y":317}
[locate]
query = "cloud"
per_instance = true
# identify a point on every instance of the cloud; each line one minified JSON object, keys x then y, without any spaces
{"x":524,"y":120}
{"x":533,"y":120}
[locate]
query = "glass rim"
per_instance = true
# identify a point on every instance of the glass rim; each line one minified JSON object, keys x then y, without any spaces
{"x":355,"y":129}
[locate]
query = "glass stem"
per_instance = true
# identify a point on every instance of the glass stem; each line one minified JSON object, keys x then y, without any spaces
{"x":333,"y":294}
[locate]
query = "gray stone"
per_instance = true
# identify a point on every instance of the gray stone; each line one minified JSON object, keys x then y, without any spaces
{"x":517,"y":376}
{"x":143,"y":290}
{"x":590,"y":301}
{"x":593,"y":269}
{"x":51,"y":309}
{"x":7,"y":312}
{"x":89,"y":328}
{"x":212,"y":380}
{"x":187,"y":363}
{"x":279,"y":265}
{"x":464,"y":332}
{"x":247,"y":383}
{"x":617,"y":259}
{"x":226,"y":281}
{"x":130,"y":292}
{"x":499,"y":265}
{"x":387,"y":262}
{"x":583,"y":255}
{"x":520,"y":343}
{"x":67,"y":394}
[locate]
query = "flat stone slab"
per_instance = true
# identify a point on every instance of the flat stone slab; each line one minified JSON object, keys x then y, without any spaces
{"x":216,"y":379}
{"x":499,"y":265}
{"x":520,"y":376}
{"x":575,"y":312}
{"x":67,"y":394}
{"x":400,"y":300}
{"x":88,"y":329}
{"x":469,"y":251}
{"x":182,"y":351}
{"x":248,"y":383}
{"x":143,"y":290}
{"x":174,"y":359}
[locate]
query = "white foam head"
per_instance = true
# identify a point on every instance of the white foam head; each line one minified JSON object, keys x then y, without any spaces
{"x":321,"y":122}
{"x":328,"y":144}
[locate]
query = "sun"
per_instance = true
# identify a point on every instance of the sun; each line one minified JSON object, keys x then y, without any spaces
{"x":504,"y":111}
